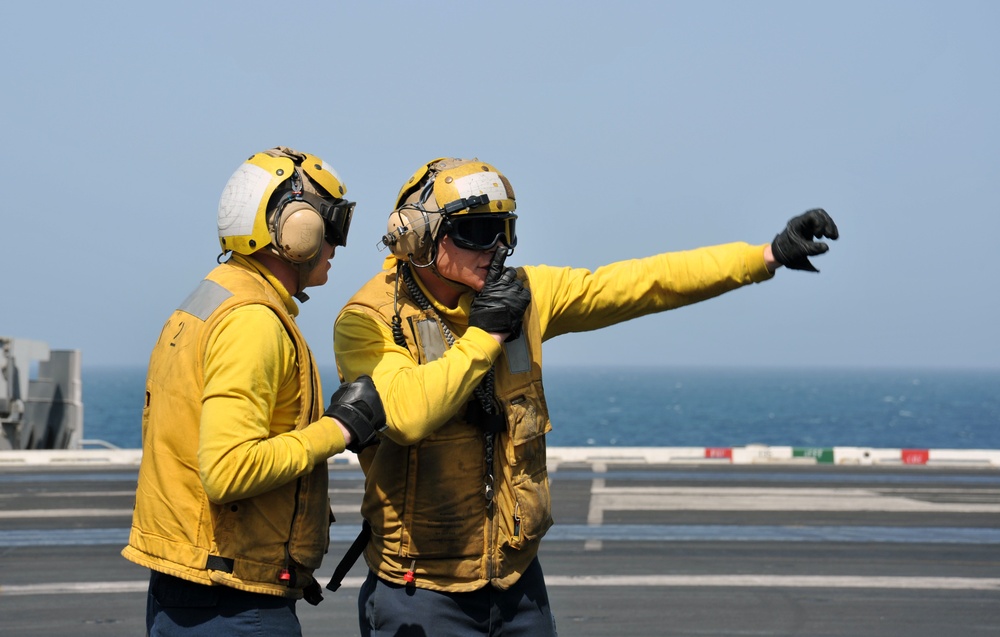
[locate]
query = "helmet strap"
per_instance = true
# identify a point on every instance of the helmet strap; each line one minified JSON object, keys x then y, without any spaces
{"x":303,"y":269}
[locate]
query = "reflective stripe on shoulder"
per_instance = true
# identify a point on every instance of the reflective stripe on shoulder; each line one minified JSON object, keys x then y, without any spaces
{"x":208,"y":296}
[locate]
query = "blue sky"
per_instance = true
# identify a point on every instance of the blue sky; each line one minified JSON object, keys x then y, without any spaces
{"x":627,"y":129}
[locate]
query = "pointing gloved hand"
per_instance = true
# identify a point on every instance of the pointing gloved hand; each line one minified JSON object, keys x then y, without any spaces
{"x":793,"y":246}
{"x":358,"y":407}
{"x":500,"y":305}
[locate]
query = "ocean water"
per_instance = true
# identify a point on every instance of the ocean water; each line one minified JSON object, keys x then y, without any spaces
{"x":679,"y":407}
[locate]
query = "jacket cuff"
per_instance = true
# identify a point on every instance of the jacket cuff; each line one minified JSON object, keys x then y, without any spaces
{"x":756,"y":266}
{"x":325,"y":439}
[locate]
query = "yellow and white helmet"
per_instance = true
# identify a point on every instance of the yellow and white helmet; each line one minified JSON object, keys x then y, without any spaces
{"x":466,"y":198}
{"x":286,"y":199}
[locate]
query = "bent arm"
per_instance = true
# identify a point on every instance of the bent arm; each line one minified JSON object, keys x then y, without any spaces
{"x":418,"y":399}
{"x":248,"y":443}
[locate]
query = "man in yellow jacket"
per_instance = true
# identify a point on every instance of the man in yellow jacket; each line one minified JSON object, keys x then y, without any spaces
{"x":457,"y":494}
{"x":232,"y":508}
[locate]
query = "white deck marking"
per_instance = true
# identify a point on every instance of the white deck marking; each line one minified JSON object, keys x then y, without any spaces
{"x":605,"y":498}
{"x":687,"y":581}
{"x":27,"y":514}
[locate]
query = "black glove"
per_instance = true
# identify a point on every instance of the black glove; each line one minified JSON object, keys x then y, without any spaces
{"x":500,"y":305}
{"x":358,"y":407}
{"x":793,"y":246}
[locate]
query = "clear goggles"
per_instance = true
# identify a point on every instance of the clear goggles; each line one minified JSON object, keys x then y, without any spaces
{"x":482,"y":232}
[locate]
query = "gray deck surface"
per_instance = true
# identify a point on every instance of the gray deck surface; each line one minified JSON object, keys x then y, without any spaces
{"x":636,"y":550}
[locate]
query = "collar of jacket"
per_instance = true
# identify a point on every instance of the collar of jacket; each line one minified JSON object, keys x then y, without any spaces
{"x":256,"y":266}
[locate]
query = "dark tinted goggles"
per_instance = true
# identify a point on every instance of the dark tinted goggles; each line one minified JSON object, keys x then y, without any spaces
{"x":482,"y":232}
{"x":336,"y":214}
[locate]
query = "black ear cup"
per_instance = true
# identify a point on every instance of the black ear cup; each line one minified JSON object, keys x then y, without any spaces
{"x":297,"y":232}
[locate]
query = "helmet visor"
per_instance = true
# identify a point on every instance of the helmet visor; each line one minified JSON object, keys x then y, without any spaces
{"x":482,"y":232}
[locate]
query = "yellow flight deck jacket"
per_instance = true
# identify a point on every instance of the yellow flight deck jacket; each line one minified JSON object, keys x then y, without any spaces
{"x":424,"y":481}
{"x":233,"y":484}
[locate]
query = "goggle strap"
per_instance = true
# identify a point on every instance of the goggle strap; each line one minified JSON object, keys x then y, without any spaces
{"x":466,"y":202}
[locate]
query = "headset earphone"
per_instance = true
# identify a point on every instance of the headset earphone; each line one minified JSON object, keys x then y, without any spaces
{"x":411,"y":237}
{"x":297,"y":231}
{"x":299,"y":224}
{"x":411,"y":228}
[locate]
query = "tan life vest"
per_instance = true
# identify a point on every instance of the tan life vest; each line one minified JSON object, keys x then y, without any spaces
{"x":425,"y":502}
{"x":175,"y":527}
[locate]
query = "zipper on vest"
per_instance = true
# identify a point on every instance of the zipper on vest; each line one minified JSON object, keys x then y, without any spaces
{"x":493,"y":522}
{"x":491,"y":549}
{"x":285,"y":576}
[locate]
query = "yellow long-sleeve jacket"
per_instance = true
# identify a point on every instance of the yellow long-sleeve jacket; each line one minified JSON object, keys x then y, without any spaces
{"x":233,"y":483}
{"x":424,"y":487}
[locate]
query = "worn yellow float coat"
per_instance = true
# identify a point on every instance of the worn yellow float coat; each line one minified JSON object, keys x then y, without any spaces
{"x":234,"y":442}
{"x":424,"y":483}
